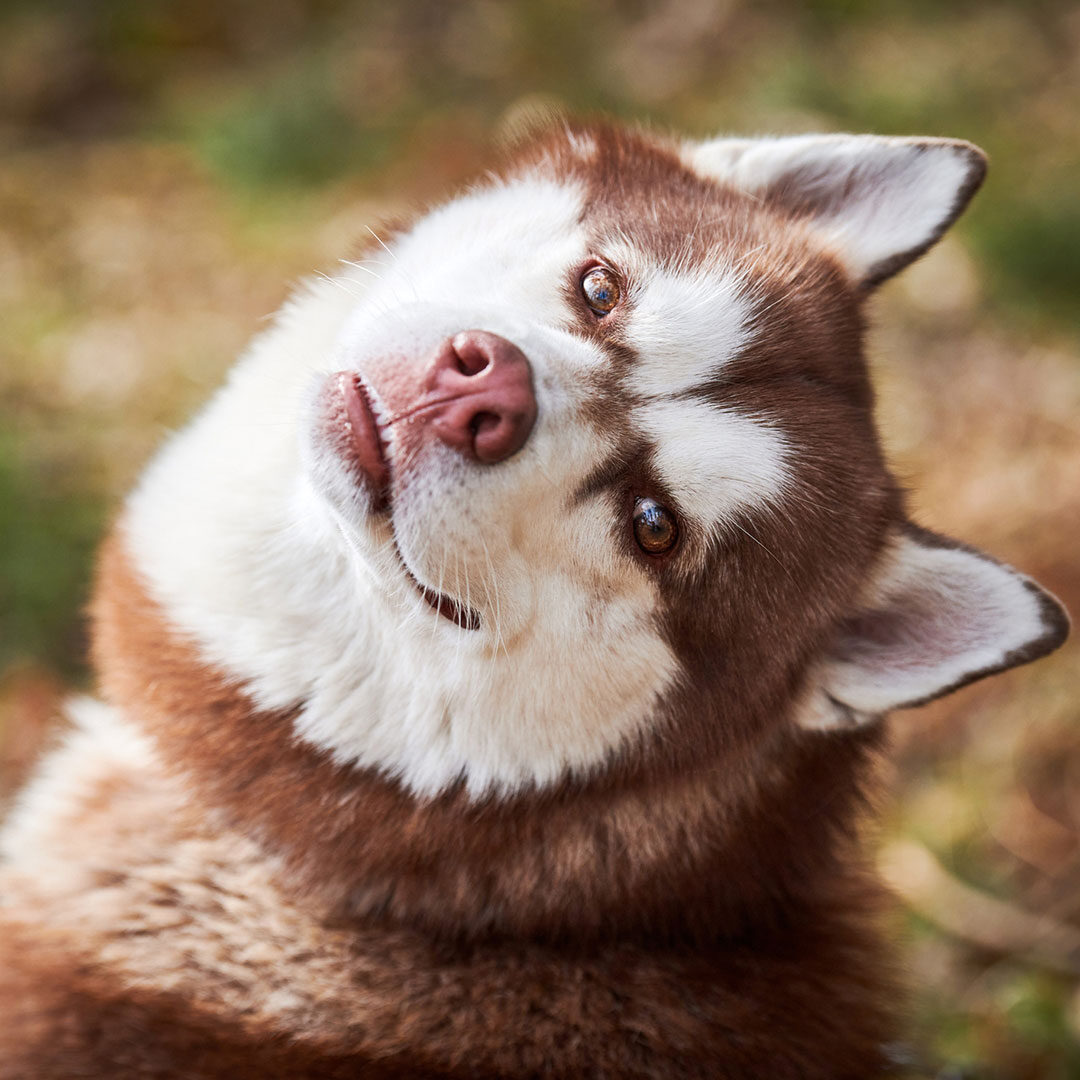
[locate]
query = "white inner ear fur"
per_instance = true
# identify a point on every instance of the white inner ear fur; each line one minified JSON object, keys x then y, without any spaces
{"x":934,"y":618}
{"x":879,"y":202}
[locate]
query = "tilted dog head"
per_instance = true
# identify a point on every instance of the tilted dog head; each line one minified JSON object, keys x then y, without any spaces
{"x":583,"y":460}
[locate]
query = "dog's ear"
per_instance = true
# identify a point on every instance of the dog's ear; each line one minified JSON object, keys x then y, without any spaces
{"x":935,"y":617}
{"x":879,"y":202}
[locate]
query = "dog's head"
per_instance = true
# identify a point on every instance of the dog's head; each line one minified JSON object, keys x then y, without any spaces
{"x":582,"y":460}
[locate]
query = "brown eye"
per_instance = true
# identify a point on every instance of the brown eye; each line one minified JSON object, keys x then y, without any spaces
{"x":601,"y":289}
{"x":655,"y":527}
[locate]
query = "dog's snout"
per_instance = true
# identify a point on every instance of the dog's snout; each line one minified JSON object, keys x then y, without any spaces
{"x":483,"y":401}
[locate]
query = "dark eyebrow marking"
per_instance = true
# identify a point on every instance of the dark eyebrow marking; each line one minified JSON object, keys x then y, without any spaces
{"x":630,"y":465}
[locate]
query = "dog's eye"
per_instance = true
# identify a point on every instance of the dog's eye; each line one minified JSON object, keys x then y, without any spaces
{"x":601,"y":289}
{"x":655,"y":527}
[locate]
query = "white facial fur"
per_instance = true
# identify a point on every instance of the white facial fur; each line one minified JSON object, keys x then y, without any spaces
{"x":263,"y":551}
{"x":680,"y":317}
{"x":252,"y":536}
{"x":719,"y":461}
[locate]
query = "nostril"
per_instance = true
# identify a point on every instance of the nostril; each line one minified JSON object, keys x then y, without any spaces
{"x":481,"y":396}
{"x":484,"y":421}
{"x":470,"y":354}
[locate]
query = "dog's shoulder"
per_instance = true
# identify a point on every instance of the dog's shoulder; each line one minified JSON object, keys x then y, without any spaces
{"x":127,"y":908}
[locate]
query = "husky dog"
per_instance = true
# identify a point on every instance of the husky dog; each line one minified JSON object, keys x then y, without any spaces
{"x":492,"y":675}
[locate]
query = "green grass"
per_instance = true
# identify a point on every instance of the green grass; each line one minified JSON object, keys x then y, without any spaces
{"x":50,"y":530}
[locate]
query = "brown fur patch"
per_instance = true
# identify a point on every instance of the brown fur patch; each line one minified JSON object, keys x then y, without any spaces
{"x":507,"y":1013}
{"x":702,"y":896}
{"x":64,"y":1020}
{"x":641,"y":848}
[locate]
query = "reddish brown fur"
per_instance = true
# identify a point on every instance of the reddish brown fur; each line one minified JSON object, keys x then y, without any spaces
{"x":649,"y":959}
{"x":63,"y":1021}
{"x":700,"y":908}
{"x":635,"y":850}
{"x":765,"y":1001}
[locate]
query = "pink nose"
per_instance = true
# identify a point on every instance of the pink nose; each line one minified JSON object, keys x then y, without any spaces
{"x":483,"y":404}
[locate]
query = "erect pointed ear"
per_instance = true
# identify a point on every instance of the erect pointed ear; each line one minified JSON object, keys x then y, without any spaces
{"x":935,"y":617}
{"x":880,"y":202}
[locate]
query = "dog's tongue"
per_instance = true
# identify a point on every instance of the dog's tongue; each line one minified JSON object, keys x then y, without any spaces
{"x":367,"y":446}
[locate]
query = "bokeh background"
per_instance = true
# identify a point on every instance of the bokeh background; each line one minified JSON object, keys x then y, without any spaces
{"x":166,"y":170}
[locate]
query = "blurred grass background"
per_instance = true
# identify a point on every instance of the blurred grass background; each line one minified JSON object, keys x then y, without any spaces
{"x":167,"y":169}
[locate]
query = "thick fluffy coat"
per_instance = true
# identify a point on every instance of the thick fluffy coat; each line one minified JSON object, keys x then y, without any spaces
{"x":417,"y":760}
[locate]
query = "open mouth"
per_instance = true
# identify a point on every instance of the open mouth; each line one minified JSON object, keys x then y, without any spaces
{"x":366,"y":452}
{"x":460,"y":614}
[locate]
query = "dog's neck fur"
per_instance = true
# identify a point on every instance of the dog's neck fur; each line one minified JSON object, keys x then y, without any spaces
{"x":658,"y":844}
